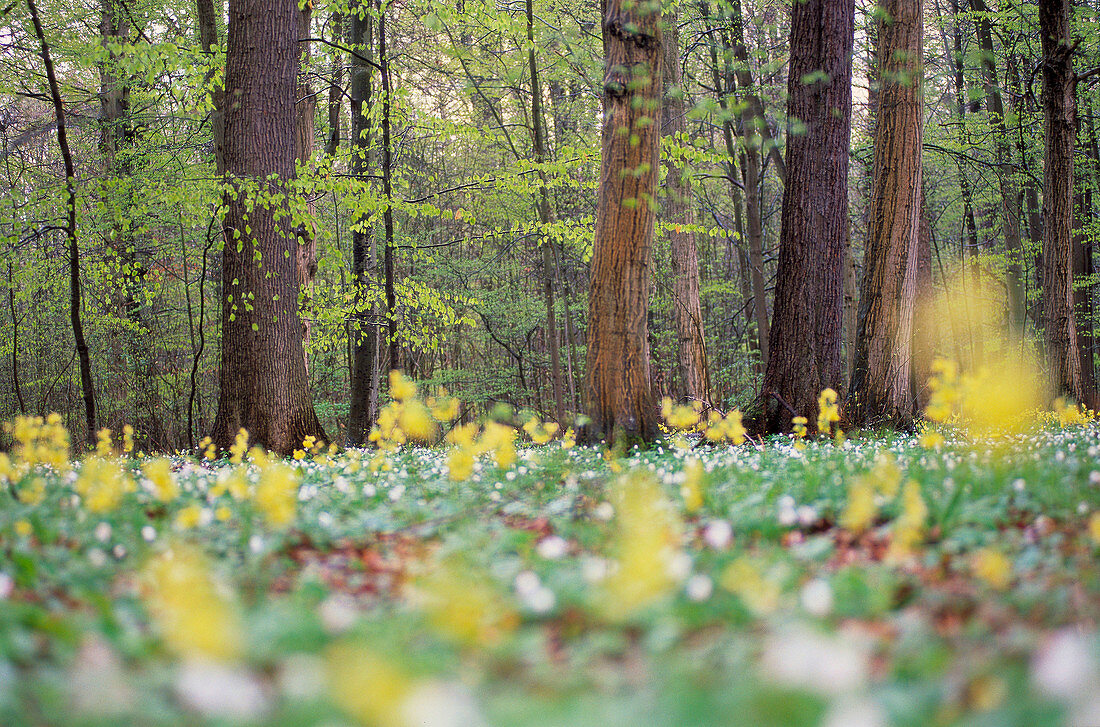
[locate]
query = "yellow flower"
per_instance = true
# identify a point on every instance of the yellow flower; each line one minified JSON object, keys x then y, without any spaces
{"x":239,"y":447}
{"x":992,"y":567}
{"x":930,"y":438}
{"x":499,"y":439}
{"x":127,"y":439}
{"x":277,"y":493}
{"x":23,"y":529}
{"x":369,"y":688}
{"x":827,"y":410}
{"x":101,"y":484}
{"x":189,"y":517}
{"x":299,"y":454}
{"x":193,"y":616}
{"x":798,"y":426}
{"x":1094,"y":527}
{"x":909,"y":527}
{"x":462,"y":604}
{"x":679,"y":416}
{"x":460,"y":464}
{"x":885,"y":474}
{"x":223,"y":513}
{"x":645,"y":546}
{"x":34,"y":492}
{"x":540,"y":433}
{"x":692,"y":490}
{"x":743,"y":579}
{"x":159,"y":474}
{"x":444,"y":408}
{"x":859,"y":512}
{"x":569,"y":439}
{"x":401,"y":387}
{"x":104,"y":446}
{"x":416,"y":421}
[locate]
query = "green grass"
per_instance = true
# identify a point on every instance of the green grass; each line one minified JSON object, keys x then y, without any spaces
{"x":341,"y":607}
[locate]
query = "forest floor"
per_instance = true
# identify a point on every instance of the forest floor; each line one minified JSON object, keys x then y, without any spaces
{"x":867,"y":583}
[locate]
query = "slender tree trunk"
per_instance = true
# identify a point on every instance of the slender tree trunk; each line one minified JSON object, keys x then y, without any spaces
{"x":208,"y":39}
{"x":805,"y":354}
{"x":364,"y":328}
{"x":679,"y":217}
{"x":336,"y":23}
{"x":16,"y":385}
{"x":1083,"y":311}
{"x":969,"y":231}
{"x":75,"y":321}
{"x":1010,"y":202}
{"x":542,"y":204}
{"x":881,"y":388}
{"x":306,"y":253}
{"x":619,"y":389}
{"x":387,"y":191}
{"x":755,"y":120}
{"x":263,"y":383}
{"x":1060,"y":110}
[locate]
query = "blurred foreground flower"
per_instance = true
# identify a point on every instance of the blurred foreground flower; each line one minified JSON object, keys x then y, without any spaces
{"x":192,"y":613}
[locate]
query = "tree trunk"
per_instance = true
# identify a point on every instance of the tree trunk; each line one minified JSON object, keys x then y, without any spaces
{"x":364,"y":329}
{"x":1083,"y":311}
{"x":208,"y":39}
{"x":1010,"y":198}
{"x":306,"y":254}
{"x":1060,"y":110}
{"x":387,"y":192}
{"x":75,"y":321}
{"x":542,"y":204}
{"x":679,"y":217}
{"x":263,"y":382}
{"x":969,"y":231}
{"x":805,"y":355}
{"x":336,"y":22}
{"x":881,"y":390}
{"x":618,"y":387}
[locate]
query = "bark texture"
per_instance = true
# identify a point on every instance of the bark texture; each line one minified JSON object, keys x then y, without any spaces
{"x":881,"y":389}
{"x":679,"y":217}
{"x":806,"y":334}
{"x":263,"y":382}
{"x":1060,"y":111}
{"x":363,"y":329}
{"x":619,"y":391}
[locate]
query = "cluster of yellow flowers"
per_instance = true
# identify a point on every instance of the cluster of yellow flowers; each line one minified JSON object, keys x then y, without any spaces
{"x":883,"y":479}
{"x":37,"y":441}
{"x":908,"y":530}
{"x":828,"y":411}
{"x":497,"y":438}
{"x":990,"y":402}
{"x":194,"y":616}
{"x":715,"y":427}
{"x":101,"y":484}
{"x":759,"y":591}
{"x":462,"y":604}
{"x":407,"y":417}
{"x":645,"y":546}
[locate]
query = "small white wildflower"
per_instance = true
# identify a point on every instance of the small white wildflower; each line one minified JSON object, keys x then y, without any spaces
{"x":324,"y":519}
{"x":699,"y":587}
{"x":148,"y":533}
{"x":256,"y":544}
{"x":679,"y":565}
{"x":807,"y":516}
{"x":526,"y":583}
{"x":594,"y":570}
{"x":441,"y":704}
{"x":1019,"y":485}
{"x":604,"y":511}
{"x":817,"y":597}
{"x":369,"y":490}
{"x":718,"y":534}
{"x":860,"y":712}
{"x":301,"y":676}
{"x":118,"y":551}
{"x":1063,"y":667}
{"x":787,"y":516}
{"x":97,"y":557}
{"x":103,"y":532}
{"x":798,"y":656}
{"x":219,"y":690}
{"x":338,"y":613}
{"x":396,"y":492}
{"x":552,"y":547}
{"x":7,"y":585}
{"x":1094,"y":477}
{"x":495,"y":497}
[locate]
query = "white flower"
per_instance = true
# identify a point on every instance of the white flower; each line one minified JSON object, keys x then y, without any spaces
{"x":799,"y":657}
{"x":699,"y":587}
{"x":301,"y":676}
{"x":97,"y":682}
{"x":396,"y":492}
{"x":97,"y":557}
{"x":441,"y":704}
{"x":604,"y":511}
{"x":817,"y":597}
{"x":148,"y":533}
{"x":679,"y":565}
{"x":855,"y":713}
{"x":807,"y":516}
{"x":1094,"y":477}
{"x":1064,"y":666}
{"x":552,"y":547}
{"x":594,"y":570}
{"x":7,"y":585}
{"x":103,"y":532}
{"x":338,"y":613}
{"x":219,"y":690}
{"x":1019,"y":485}
{"x":718,"y":534}
{"x":256,"y":544}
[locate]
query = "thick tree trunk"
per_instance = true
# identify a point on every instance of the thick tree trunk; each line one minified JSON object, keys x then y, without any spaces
{"x":1060,"y":110}
{"x":679,"y":217}
{"x":1010,"y":198}
{"x":83,"y":355}
{"x":881,"y":389}
{"x":806,"y":334}
{"x":364,"y":328}
{"x":619,"y":390}
{"x":263,"y":382}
